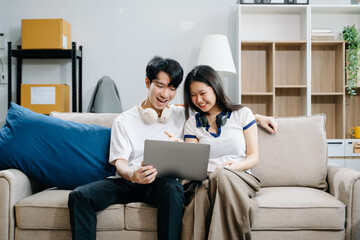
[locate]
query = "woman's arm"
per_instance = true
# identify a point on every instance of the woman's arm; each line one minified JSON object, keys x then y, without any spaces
{"x":252,"y":151}
{"x":268,"y":123}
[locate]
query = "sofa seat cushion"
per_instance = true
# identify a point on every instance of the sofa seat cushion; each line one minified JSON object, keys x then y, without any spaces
{"x":298,"y":208}
{"x":140,"y":216}
{"x":49,"y":210}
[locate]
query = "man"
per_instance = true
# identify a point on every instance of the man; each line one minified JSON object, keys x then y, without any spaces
{"x":137,"y":183}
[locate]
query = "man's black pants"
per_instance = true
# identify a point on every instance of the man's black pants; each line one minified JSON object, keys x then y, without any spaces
{"x":167,"y":194}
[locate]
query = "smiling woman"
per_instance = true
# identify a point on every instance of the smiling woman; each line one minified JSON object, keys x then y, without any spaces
{"x":231,"y":131}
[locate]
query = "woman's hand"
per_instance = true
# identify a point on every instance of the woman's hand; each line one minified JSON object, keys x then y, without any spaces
{"x":232,"y":164}
{"x":172,"y":137}
{"x":268,"y":123}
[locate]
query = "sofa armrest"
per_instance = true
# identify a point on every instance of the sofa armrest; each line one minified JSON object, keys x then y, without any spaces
{"x":14,"y":186}
{"x":344,"y":184}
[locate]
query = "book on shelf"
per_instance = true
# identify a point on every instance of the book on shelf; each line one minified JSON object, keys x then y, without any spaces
{"x":321,"y":30}
{"x":322,"y":34}
{"x":322,"y":38}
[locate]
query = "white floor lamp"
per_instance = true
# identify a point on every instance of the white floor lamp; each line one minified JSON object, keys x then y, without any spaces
{"x":215,"y":52}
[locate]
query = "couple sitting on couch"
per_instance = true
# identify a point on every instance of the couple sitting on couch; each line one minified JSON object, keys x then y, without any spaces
{"x":230,"y":130}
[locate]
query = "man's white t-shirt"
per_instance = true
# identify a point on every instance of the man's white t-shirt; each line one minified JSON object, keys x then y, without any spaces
{"x":229,"y":143}
{"x":130,"y":130}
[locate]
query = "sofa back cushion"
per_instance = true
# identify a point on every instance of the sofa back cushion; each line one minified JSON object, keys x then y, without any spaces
{"x":296,"y":155}
{"x":102,"y":119}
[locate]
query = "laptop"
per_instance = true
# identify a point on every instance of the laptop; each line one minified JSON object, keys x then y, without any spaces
{"x":177,"y":159}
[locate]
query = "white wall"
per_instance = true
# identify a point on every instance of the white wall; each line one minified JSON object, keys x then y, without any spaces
{"x":119,"y":37}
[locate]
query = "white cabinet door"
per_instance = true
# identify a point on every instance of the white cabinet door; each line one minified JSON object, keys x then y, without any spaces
{"x":336,"y":147}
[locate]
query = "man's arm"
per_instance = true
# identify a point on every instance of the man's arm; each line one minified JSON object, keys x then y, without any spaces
{"x":268,"y":123}
{"x":142,"y":175}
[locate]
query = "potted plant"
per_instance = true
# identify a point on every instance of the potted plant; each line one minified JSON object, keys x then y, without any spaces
{"x":352,"y":37}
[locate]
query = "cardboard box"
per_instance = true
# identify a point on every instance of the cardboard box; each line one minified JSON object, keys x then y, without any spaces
{"x":356,"y":147}
{"x":45,"y":34}
{"x":45,"y":98}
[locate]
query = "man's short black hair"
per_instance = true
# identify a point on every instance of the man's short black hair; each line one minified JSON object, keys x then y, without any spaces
{"x":167,"y":65}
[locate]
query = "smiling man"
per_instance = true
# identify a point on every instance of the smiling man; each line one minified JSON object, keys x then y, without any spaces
{"x":134,"y":182}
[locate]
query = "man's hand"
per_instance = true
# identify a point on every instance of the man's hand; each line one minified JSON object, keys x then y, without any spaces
{"x":268,"y":123}
{"x":172,"y":137}
{"x":143,"y":175}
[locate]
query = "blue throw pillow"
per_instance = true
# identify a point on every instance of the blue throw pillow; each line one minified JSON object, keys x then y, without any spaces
{"x":52,"y":151}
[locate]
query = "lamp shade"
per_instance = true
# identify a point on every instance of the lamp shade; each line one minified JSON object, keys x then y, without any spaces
{"x":215,"y":52}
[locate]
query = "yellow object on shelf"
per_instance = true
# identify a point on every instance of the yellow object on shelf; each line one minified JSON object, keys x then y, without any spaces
{"x":45,"y":34}
{"x":45,"y":98}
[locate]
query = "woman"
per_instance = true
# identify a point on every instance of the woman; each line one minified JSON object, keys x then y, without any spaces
{"x":223,"y":206}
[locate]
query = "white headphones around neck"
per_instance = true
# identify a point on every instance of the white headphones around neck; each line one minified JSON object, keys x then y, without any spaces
{"x":150,"y":115}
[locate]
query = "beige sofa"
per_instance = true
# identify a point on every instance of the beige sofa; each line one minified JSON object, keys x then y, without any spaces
{"x":301,"y":197}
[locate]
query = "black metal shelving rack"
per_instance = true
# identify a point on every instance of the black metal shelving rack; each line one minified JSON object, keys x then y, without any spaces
{"x":73,"y":54}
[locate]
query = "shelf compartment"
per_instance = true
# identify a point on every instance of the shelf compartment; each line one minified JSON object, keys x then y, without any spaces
{"x":335,"y":17}
{"x":332,"y":107}
{"x":259,"y":104}
{"x":290,"y":102}
{"x":257,"y":67}
{"x":290,"y":63}
{"x":352,"y":112}
{"x":327,"y":66}
{"x":294,"y":16}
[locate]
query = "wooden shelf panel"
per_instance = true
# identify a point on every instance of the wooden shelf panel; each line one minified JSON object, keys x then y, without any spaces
{"x":316,"y":43}
{"x":259,"y":104}
{"x":290,"y":63}
{"x":327,"y":64}
{"x":257,"y":94}
{"x":332,"y":107}
{"x":290,"y":86}
{"x":290,"y":102}
{"x":257,"y":67}
{"x":327,"y":94}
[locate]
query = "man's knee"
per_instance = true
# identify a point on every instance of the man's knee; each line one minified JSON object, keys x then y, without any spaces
{"x":81,"y":195}
{"x":74,"y":196}
{"x":171,"y":187}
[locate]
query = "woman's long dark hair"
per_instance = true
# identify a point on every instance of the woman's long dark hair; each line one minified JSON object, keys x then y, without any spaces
{"x":209,"y":76}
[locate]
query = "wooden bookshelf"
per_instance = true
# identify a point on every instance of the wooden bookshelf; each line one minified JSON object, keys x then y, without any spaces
{"x":282,"y":72}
